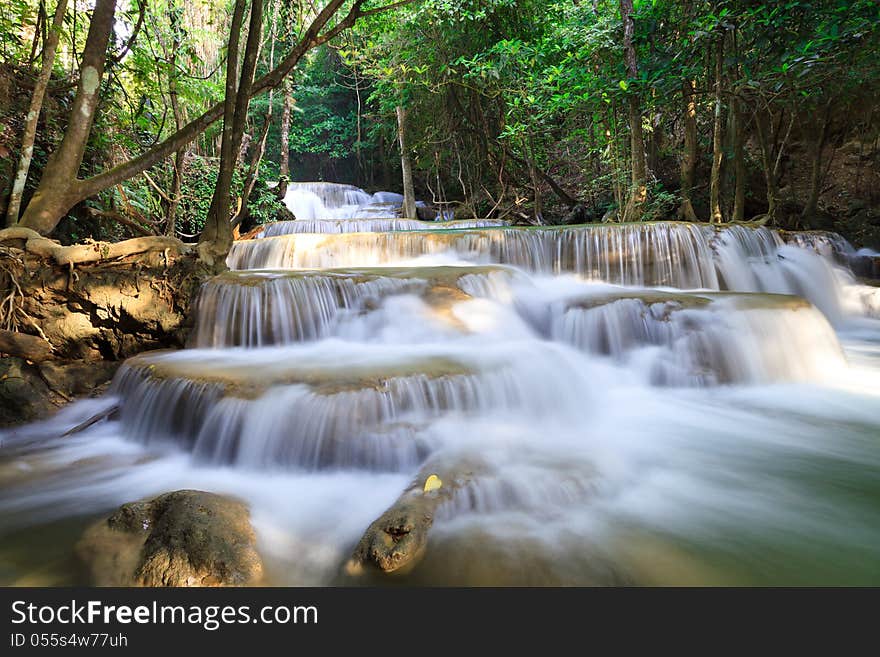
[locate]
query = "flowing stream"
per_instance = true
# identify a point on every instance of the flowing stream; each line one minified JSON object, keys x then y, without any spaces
{"x":661,"y":403}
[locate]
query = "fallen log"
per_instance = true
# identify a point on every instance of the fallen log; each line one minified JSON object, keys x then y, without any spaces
{"x":94,"y":419}
{"x":22,"y":345}
{"x":396,"y":541}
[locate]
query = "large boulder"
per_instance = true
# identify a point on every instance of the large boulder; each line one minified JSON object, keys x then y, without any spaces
{"x":184,"y":538}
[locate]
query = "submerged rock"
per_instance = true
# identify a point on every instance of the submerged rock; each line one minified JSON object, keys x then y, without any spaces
{"x":396,"y":541}
{"x":184,"y":538}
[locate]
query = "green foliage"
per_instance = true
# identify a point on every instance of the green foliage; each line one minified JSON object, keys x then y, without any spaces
{"x":197,"y":189}
{"x":494,"y":90}
{"x":264,"y":206}
{"x":16,"y":20}
{"x":325,"y":120}
{"x":661,"y":204}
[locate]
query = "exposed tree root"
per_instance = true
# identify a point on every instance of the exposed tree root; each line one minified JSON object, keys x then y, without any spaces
{"x":32,"y":242}
{"x":69,"y":314}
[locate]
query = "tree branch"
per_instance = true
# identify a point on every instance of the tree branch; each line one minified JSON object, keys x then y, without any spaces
{"x":312,"y":38}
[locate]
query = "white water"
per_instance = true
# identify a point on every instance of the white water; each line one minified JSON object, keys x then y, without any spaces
{"x":334,"y":208}
{"x":646,"y":404}
{"x":321,"y":201}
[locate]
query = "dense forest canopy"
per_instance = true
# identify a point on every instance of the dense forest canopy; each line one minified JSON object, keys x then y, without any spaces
{"x":529,"y":111}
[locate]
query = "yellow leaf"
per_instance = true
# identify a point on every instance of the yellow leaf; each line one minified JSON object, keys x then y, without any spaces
{"x":432,"y":483}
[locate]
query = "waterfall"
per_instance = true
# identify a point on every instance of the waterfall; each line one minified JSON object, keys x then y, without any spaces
{"x":254,"y":309}
{"x":321,"y":207}
{"x":621,"y":397}
{"x":311,"y":201}
{"x":369,"y":226}
{"x":263,"y":309}
{"x":684,"y":256}
{"x":656,"y":254}
{"x":274,"y":408}
{"x":705,"y":340}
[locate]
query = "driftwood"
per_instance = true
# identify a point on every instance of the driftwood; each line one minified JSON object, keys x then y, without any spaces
{"x":396,"y":541}
{"x":76,"y":254}
{"x":22,"y":345}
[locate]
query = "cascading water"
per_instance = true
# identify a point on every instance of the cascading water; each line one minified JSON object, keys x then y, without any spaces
{"x":684,"y":256}
{"x":333,"y":208}
{"x":319,"y":201}
{"x":369,"y":226}
{"x":654,"y":403}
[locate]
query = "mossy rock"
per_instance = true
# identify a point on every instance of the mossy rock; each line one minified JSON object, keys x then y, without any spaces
{"x":248,"y":380}
{"x":185,"y":538}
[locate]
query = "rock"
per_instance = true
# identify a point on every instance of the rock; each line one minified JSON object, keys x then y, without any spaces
{"x":76,"y":378}
{"x":426,"y":213}
{"x":396,"y":541}
{"x":184,"y":538}
{"x":33,"y":391}
{"x":24,"y":396}
{"x":108,"y":310}
{"x":866,"y":266}
{"x":579,"y":214}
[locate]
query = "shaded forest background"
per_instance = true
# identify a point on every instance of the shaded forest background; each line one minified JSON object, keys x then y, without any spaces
{"x":537,"y":112}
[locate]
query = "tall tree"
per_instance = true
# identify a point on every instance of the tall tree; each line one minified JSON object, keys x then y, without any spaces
{"x":689,"y":157}
{"x":50,"y":44}
{"x":639,"y":183}
{"x":284,"y":166}
{"x":409,"y":193}
{"x":179,"y":121}
{"x":717,"y":135}
{"x":216,"y":237}
{"x":59,"y":188}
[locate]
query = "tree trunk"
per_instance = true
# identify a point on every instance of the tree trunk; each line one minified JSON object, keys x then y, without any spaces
{"x":216,"y":238}
{"x":616,"y":168}
{"x":383,"y":162}
{"x":258,"y":149}
{"x":689,"y":159}
{"x":284,"y":169}
{"x":39,"y":33}
{"x":535,"y":179}
{"x":33,"y":115}
{"x":59,"y":189}
{"x":639,"y":190}
{"x":179,"y":121}
{"x":816,"y":151}
{"x":717,"y":139}
{"x":49,"y":205}
{"x":174,"y":202}
{"x":358,"y":144}
{"x":739,"y":161}
{"x":762,"y":129}
{"x":250,"y":180}
{"x":409,"y":193}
